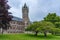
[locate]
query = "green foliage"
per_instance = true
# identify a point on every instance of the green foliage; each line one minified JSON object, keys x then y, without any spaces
{"x":46,"y":26}
{"x":52,"y":17}
{"x":34,"y":26}
{"x":51,"y":23}
{"x":41,"y":26}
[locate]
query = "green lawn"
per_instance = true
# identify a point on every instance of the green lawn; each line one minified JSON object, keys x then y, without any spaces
{"x":27,"y":37}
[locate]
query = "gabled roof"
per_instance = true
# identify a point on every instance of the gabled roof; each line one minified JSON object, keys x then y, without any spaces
{"x":16,"y":19}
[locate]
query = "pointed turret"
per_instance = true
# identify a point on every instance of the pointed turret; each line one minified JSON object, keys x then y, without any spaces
{"x":25,"y":11}
{"x":25,"y":6}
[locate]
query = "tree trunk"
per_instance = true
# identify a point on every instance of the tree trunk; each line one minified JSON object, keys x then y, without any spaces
{"x":36,"y":32}
{"x":45,"y":33}
{"x":52,"y":33}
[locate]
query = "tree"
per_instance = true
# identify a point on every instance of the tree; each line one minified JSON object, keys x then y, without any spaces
{"x":34,"y":27}
{"x":57,"y":23}
{"x":50,"y":17}
{"x":5,"y":16}
{"x":41,"y":26}
{"x":55,"y":19}
{"x":46,"y":27}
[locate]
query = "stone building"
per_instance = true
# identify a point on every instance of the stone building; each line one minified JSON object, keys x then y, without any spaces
{"x":18,"y":24}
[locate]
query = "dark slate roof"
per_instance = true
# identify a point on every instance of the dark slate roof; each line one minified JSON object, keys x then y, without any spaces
{"x":25,"y":6}
{"x":16,"y":19}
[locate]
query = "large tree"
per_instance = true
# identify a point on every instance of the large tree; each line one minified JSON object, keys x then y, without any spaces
{"x":41,"y":26}
{"x":34,"y":27}
{"x":55,"y":19}
{"x":5,"y":16}
{"x":46,"y":27}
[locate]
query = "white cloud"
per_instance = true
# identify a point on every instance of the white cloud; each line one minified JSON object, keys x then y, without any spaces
{"x":37,"y":8}
{"x":16,"y":12}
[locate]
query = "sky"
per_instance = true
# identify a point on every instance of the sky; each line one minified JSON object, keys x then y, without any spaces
{"x":38,"y":9}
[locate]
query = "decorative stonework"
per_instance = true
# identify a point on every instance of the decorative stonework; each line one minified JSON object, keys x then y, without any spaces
{"x":18,"y":26}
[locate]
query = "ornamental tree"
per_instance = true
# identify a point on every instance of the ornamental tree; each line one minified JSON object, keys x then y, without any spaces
{"x":5,"y":16}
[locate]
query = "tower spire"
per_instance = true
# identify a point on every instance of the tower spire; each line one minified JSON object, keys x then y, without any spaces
{"x":25,"y":6}
{"x":25,"y":16}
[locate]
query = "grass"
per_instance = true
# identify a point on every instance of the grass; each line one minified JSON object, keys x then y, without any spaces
{"x":27,"y":37}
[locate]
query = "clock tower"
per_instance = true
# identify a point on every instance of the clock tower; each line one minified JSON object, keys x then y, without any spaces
{"x":25,"y":16}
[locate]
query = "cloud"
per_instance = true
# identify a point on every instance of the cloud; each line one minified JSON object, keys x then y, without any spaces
{"x":38,"y":9}
{"x":15,"y":12}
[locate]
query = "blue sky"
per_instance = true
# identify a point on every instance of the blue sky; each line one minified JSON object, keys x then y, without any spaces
{"x":38,"y":9}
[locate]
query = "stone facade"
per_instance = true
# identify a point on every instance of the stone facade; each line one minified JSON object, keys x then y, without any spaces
{"x":25,"y":16}
{"x":16,"y":27}
{"x":17,"y":24}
